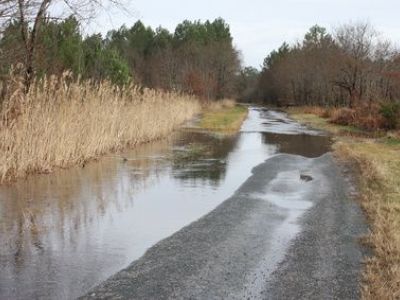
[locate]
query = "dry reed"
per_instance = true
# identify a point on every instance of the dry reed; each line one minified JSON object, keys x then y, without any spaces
{"x":62,"y":122}
{"x":380,"y":198}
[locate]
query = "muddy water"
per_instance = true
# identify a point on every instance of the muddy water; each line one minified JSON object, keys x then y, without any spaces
{"x":63,"y":233}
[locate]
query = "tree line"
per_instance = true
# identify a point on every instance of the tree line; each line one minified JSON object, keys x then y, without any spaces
{"x":350,"y":67}
{"x":198,"y":57}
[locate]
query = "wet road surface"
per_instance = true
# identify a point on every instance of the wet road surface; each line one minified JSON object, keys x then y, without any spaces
{"x":68,"y":232}
{"x":277,"y":237}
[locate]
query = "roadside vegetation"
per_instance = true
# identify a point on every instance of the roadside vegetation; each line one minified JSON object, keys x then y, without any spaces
{"x":62,"y":122}
{"x":377,"y":156}
{"x":66,"y":98}
{"x":223,"y":117}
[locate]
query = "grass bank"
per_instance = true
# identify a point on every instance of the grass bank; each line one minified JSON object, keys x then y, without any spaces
{"x":61,"y":122}
{"x":223,"y":117}
{"x":378,"y":158}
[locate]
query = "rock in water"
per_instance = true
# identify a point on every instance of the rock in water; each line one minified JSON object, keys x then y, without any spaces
{"x":305,"y":177}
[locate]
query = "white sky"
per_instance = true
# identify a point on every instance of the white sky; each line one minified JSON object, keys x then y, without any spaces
{"x":258,"y":26}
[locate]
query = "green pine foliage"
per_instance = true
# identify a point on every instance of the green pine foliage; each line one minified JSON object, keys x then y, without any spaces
{"x":198,"y":57}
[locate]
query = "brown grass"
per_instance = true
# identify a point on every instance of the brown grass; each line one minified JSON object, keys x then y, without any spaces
{"x":343,"y":116}
{"x":379,"y":164}
{"x":365,"y":116}
{"x":322,"y":112}
{"x":380,"y":186}
{"x":62,"y":123}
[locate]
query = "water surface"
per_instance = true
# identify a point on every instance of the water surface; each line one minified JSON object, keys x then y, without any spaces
{"x":63,"y":233}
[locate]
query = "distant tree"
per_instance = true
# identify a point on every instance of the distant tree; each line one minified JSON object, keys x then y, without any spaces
{"x":163,"y":62}
{"x":134,"y":45}
{"x":209,"y":62}
{"x":351,"y":67}
{"x":276,"y":56}
{"x":103,"y":62}
{"x":32,"y":14}
{"x":93,"y":47}
{"x":270,"y":83}
{"x":357,"y":42}
{"x":59,"y":47}
{"x":317,"y":37}
{"x":11,"y":46}
{"x":198,"y":57}
{"x":247,"y":84}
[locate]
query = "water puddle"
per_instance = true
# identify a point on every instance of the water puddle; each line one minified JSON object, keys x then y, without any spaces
{"x":63,"y":233}
{"x":287,"y":191}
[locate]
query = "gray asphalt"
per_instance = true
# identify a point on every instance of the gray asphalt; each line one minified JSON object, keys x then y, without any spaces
{"x":289,"y":232}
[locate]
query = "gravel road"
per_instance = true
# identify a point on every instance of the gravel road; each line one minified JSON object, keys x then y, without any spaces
{"x":289,"y":232}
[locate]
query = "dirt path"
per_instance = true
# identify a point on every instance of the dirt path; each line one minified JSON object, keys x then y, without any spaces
{"x":289,"y":232}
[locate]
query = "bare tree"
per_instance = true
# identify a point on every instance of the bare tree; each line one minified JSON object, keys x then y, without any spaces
{"x":358,"y":43}
{"x":354,"y":68}
{"x":6,"y":8}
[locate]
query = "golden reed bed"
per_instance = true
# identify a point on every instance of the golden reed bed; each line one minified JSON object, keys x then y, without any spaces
{"x":62,"y":122}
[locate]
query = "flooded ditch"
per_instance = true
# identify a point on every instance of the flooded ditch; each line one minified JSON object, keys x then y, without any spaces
{"x":63,"y":233}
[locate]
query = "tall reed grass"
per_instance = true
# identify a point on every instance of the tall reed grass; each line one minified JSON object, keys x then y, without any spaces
{"x":62,"y":122}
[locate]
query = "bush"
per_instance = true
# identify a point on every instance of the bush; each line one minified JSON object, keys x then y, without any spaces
{"x":391,"y":114}
{"x":343,"y":116}
{"x":326,"y":113}
{"x":371,"y":121}
{"x":317,"y":110}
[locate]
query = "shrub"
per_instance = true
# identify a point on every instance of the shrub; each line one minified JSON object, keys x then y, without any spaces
{"x":326,"y":113}
{"x":391,"y":114}
{"x":323,"y":112}
{"x":369,"y":121}
{"x":315,"y":110}
{"x":343,"y":116}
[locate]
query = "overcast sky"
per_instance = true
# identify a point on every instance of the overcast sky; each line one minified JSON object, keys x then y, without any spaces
{"x":259,"y":26}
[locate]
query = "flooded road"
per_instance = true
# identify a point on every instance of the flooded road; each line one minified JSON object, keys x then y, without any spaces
{"x":62,"y":234}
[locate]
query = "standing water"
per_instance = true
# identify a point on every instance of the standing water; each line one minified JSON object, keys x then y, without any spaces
{"x":63,"y":233}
